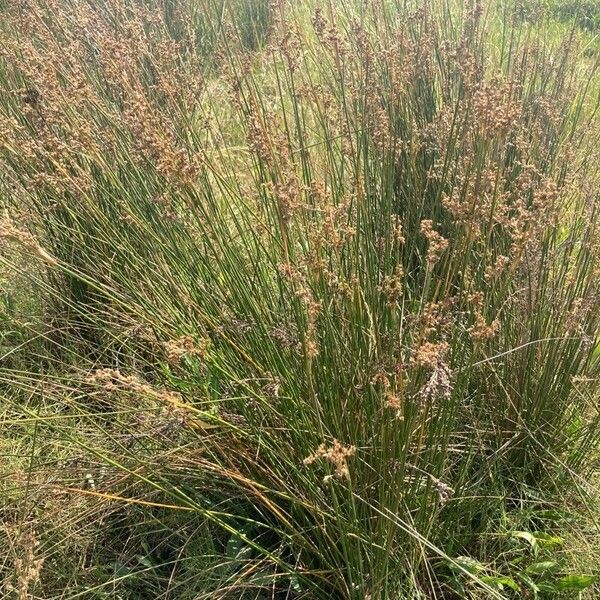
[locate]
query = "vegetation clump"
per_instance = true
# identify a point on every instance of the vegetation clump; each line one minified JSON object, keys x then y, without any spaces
{"x":317,"y":297}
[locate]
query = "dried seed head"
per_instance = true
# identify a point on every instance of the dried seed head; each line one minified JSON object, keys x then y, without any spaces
{"x":394,"y":403}
{"x":113,"y":380}
{"x":397,"y":232}
{"x":27,"y":566}
{"x":494,"y":271}
{"x":285,"y":335}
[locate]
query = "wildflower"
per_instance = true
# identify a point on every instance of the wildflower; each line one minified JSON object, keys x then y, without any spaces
{"x":311,"y":348}
{"x":241,"y":325}
{"x":290,"y":46}
{"x":493,"y":272}
{"x":382,"y":379}
{"x":234,"y":419}
{"x":476,"y":299}
{"x":391,"y":399}
{"x":106,"y":378}
{"x":494,"y":111}
{"x":435,"y":317}
{"x":397,"y":232}
{"x":319,"y":22}
{"x":113,"y":379}
{"x":258,"y":139}
{"x":313,"y":307}
{"x":285,"y":336}
{"x":290,"y":273}
{"x":577,"y":314}
{"x":394,"y":403}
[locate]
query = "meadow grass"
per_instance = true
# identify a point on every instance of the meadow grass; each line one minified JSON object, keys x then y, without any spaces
{"x":316,"y":299}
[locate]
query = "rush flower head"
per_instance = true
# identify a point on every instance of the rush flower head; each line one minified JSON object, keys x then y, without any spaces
{"x":10,"y":232}
{"x":429,"y":354}
{"x":437,"y":243}
{"x":482,"y":330}
{"x":438,"y":386}
{"x":185,"y":345}
{"x":337,"y":455}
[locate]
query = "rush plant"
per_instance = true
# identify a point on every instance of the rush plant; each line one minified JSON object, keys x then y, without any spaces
{"x":331,"y":294}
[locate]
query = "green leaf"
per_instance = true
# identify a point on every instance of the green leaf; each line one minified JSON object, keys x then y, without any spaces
{"x":295,"y":584}
{"x":119,"y":569}
{"x":575,"y":582}
{"x":541,"y":567}
{"x":466,"y":563}
{"x":554,"y":515}
{"x":501,"y":581}
{"x":529,"y":583}
{"x":528,"y":537}
{"x":144,"y":560}
{"x":237,"y":548}
{"x":456,"y":586}
{"x":546,"y":540}
{"x":548,"y":587}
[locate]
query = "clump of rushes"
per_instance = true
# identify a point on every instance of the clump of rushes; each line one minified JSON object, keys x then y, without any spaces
{"x":365,"y":258}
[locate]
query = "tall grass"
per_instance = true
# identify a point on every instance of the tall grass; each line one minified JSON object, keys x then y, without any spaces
{"x":330,"y":295}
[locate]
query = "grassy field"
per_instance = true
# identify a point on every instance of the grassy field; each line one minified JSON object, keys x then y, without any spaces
{"x":299,"y":300}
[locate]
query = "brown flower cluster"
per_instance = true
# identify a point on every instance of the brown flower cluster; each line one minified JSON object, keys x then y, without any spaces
{"x":113,"y":380}
{"x":337,"y":455}
{"x":27,"y":565}
{"x":495,"y":110}
{"x":185,"y":346}
{"x":481,"y":330}
{"x":438,"y":386}
{"x":437,"y":244}
{"x":391,"y":287}
{"x":430,"y":354}
{"x":298,"y":279}
{"x":11,"y":233}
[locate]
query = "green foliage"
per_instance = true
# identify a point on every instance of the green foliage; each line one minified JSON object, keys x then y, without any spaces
{"x":534,"y":568}
{"x":586,"y":13}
